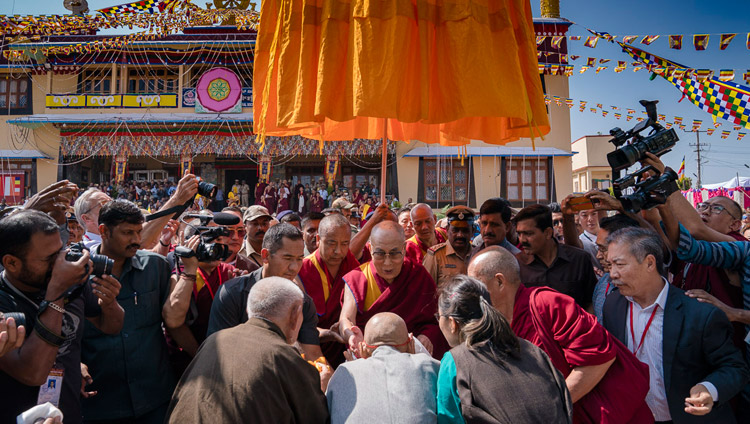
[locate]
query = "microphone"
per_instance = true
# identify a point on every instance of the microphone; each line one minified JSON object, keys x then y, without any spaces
{"x":223,"y":218}
{"x":220,"y":218}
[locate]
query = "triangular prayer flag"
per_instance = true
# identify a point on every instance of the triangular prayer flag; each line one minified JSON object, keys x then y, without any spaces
{"x":592,"y":110}
{"x":710,"y":131}
{"x":740,"y":136}
{"x":668,"y":125}
{"x":631,"y":111}
{"x":725,"y":134}
{"x":583,"y":69}
{"x":540,"y":39}
{"x":599,"y":105}
{"x":629,"y":117}
{"x":618,"y":115}
{"x":628,"y":39}
{"x":604,"y":113}
{"x":696,"y":124}
{"x":737,"y":127}
{"x":700,"y":41}
{"x":725,"y":40}
{"x":675,"y":42}
{"x":604,"y":60}
{"x":649,"y":39}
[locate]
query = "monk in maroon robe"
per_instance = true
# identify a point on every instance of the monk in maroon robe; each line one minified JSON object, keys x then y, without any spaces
{"x":391,"y":283}
{"x":581,"y":349}
{"x":426,"y":235}
{"x":322,"y":275}
{"x":260,"y":188}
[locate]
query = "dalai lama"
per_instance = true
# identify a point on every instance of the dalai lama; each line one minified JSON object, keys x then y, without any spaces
{"x":391,"y":283}
{"x":426,"y":235}
{"x":322,"y":275}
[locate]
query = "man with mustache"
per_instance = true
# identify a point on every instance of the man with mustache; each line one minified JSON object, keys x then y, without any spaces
{"x":423,"y":220}
{"x":257,"y":220}
{"x":130,"y":370}
{"x":548,"y":263}
{"x":36,"y":276}
{"x":494,"y":221}
{"x":445,"y":260}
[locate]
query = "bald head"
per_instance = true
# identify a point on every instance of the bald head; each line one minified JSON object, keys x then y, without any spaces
{"x":420,"y":210}
{"x":387,"y":231}
{"x":492,"y":261}
{"x":387,"y":328}
{"x":331,"y":223}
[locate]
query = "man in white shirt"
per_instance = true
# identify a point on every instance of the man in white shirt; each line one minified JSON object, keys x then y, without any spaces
{"x":695,"y":369}
{"x":589,"y":220}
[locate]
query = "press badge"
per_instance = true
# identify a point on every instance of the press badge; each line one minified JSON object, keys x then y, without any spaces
{"x":50,"y":391}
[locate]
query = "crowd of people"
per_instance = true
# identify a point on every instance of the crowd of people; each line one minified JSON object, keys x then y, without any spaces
{"x":304,"y":309}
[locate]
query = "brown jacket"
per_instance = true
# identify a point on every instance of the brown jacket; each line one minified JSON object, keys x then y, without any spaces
{"x":248,"y":374}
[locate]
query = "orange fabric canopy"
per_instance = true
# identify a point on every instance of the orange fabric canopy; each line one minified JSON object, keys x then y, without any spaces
{"x":439,"y":71}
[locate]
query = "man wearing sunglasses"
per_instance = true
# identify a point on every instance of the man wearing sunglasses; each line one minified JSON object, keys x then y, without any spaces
{"x":391,"y":283}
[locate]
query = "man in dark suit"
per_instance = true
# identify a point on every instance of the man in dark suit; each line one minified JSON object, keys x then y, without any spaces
{"x":694,"y":367}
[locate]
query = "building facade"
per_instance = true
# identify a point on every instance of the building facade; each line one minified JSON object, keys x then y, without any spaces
{"x":151,"y":107}
{"x":591,"y":171}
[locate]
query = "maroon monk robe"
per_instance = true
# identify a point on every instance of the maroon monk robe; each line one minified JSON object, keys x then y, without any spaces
{"x":201,"y":304}
{"x":327,"y":293}
{"x":583,"y":342}
{"x":411,"y":295}
{"x":416,"y":249}
{"x":259,"y":190}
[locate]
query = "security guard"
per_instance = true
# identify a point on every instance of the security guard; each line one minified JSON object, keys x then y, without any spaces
{"x":445,"y":260}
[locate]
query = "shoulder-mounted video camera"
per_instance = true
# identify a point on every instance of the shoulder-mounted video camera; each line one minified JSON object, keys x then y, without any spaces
{"x":208,"y":251}
{"x":631,"y":147}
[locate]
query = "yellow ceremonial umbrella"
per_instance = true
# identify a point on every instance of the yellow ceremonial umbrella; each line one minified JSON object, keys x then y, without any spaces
{"x":437,"y":71}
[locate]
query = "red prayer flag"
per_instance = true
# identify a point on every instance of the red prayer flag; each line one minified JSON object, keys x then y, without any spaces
{"x":675,"y":42}
{"x":700,"y":41}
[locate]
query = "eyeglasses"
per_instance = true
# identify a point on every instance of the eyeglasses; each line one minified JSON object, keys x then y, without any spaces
{"x":239,"y":231}
{"x":557,"y":222}
{"x":715,"y":209}
{"x":379,"y":255}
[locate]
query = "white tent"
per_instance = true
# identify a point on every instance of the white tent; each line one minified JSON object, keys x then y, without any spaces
{"x":733,"y":183}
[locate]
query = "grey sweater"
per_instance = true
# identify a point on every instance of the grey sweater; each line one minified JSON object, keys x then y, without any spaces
{"x":389,"y":387}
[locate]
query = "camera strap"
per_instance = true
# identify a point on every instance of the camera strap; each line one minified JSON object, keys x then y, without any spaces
{"x":16,"y":291}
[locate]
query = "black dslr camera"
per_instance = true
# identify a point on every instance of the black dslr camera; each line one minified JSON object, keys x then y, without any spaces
{"x":102,"y":263}
{"x":654,"y":190}
{"x":207,"y":251}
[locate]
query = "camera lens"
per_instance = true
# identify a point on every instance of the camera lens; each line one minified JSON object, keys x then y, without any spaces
{"x":102,"y":264}
{"x":206,"y":189}
{"x":19,"y":317}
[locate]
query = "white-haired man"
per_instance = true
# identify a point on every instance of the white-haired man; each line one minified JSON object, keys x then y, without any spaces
{"x":251,"y":373}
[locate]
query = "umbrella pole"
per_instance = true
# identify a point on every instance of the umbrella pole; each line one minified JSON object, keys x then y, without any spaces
{"x":384,"y":160}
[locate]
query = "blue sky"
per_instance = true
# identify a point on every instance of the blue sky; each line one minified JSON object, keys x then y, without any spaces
{"x":632,"y":17}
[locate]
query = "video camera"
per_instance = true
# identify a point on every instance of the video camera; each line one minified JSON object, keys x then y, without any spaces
{"x":652,"y":191}
{"x":207,"y":251}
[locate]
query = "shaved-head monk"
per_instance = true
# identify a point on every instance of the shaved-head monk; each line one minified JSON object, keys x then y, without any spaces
{"x":426,"y":234}
{"x":322,"y":275}
{"x":581,"y":349}
{"x":361,"y":391}
{"x":391,"y":283}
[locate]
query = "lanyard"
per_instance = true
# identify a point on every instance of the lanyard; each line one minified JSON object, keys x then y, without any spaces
{"x":16,"y":291}
{"x":645,"y":330}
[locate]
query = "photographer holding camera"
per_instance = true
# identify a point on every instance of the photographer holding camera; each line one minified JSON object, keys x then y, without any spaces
{"x":131,"y":370}
{"x":45,"y":290}
{"x":193,"y":288}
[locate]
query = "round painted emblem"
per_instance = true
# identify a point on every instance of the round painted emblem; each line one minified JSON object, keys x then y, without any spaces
{"x":219,"y":89}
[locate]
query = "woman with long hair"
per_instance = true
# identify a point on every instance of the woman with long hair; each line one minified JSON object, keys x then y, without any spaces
{"x":490,"y":375}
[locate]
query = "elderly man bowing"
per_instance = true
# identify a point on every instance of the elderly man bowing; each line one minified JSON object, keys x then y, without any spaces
{"x":391,"y":283}
{"x":361,"y":390}
{"x":251,"y":373}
